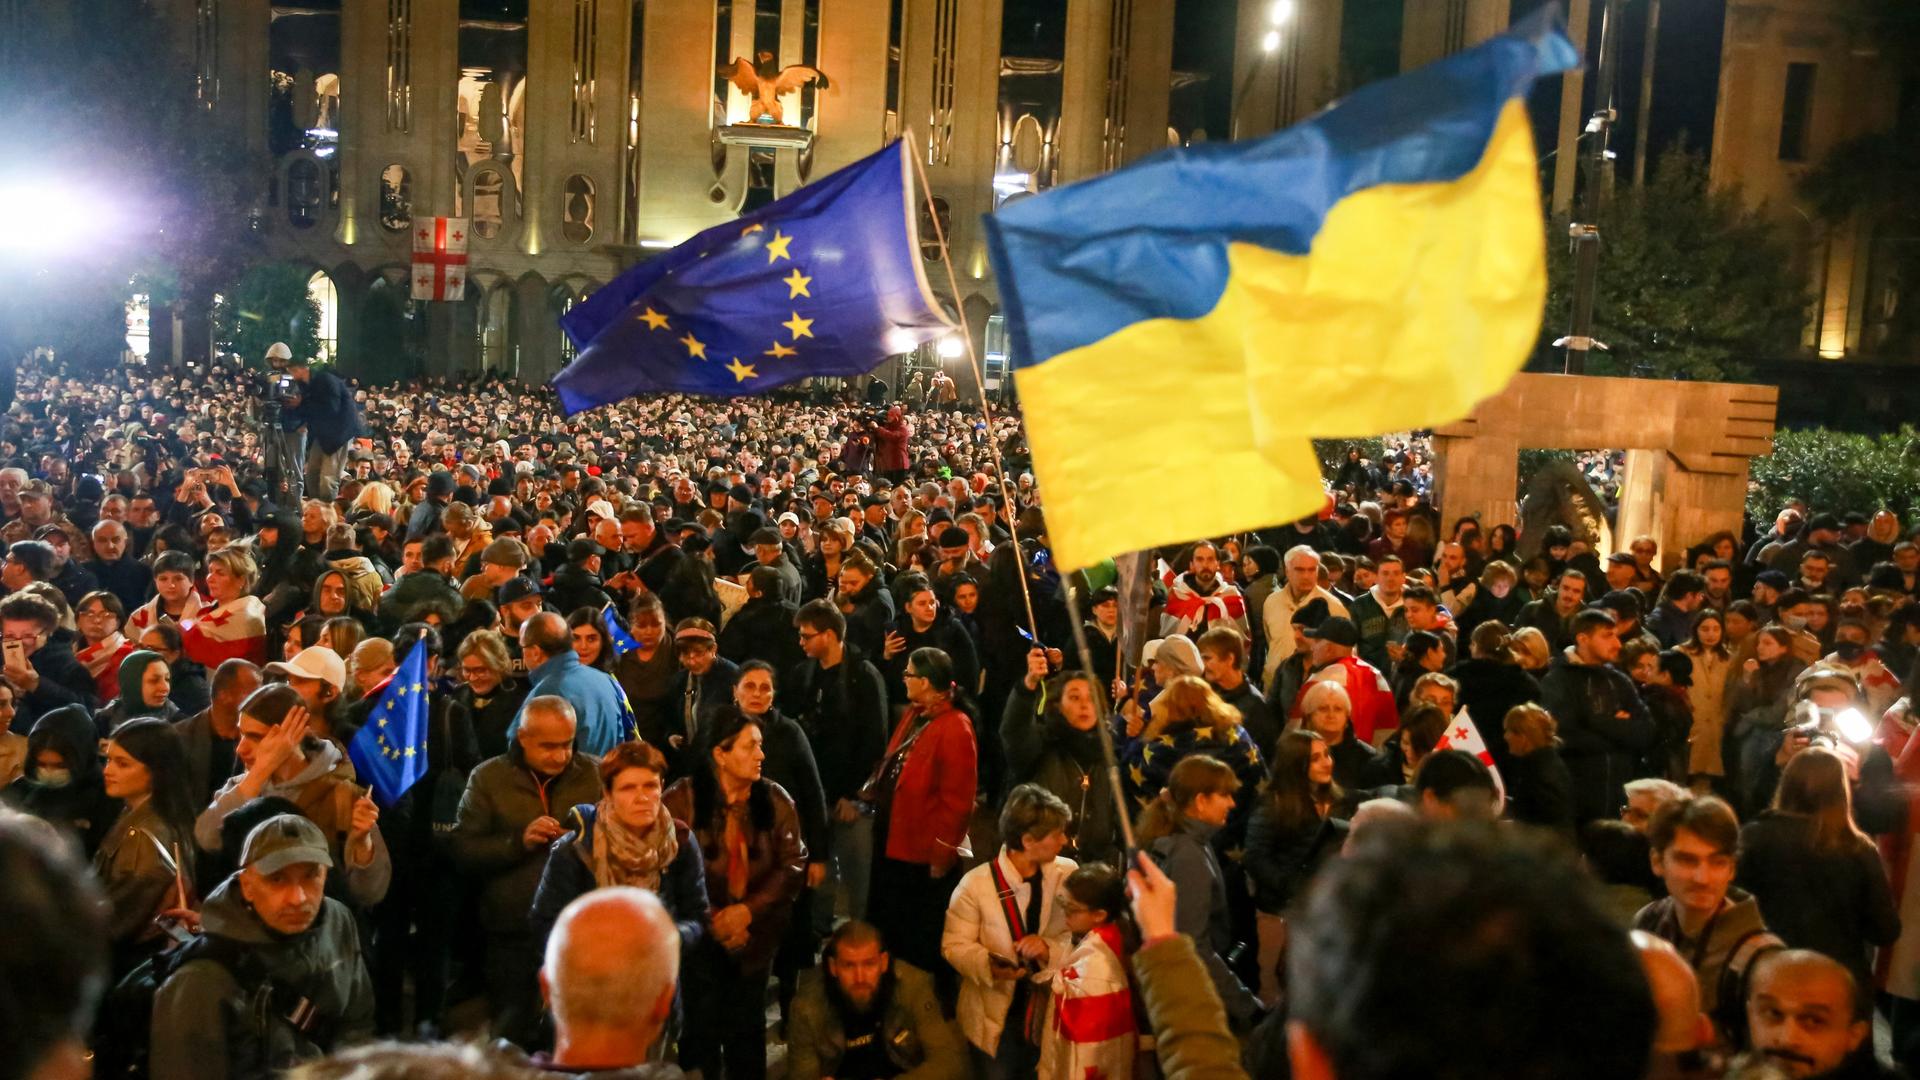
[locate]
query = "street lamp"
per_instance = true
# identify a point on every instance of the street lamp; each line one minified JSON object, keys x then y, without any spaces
{"x":1598,"y":170}
{"x":45,"y":218}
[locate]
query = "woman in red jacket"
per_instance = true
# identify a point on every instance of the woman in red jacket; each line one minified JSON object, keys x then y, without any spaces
{"x":922,"y":798}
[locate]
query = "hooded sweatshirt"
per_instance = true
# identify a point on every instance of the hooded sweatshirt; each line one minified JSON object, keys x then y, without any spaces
{"x":207,"y":1026}
{"x":81,"y":804}
{"x":324,"y":791}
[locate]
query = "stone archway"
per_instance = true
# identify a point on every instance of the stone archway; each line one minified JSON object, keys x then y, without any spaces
{"x":1688,"y":445}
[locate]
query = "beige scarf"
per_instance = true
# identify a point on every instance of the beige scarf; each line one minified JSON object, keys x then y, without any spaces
{"x":624,"y":856}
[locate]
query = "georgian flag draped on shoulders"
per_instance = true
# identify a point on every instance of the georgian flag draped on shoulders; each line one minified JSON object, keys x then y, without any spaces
{"x":1090,"y":1034}
{"x":236,"y":629}
{"x":147,"y":614}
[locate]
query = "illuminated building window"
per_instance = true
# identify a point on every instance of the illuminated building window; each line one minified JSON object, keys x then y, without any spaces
{"x":577,"y":213}
{"x":399,"y":65}
{"x":139,"y":326}
{"x":396,"y":198}
{"x":586,"y":20}
{"x":326,"y":299}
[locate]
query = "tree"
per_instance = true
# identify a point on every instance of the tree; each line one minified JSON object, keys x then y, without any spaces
{"x":1837,"y":470}
{"x":1692,"y":284}
{"x":269,"y":303}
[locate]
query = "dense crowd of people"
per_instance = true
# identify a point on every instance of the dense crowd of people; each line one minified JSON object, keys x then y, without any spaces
{"x":756,"y":733}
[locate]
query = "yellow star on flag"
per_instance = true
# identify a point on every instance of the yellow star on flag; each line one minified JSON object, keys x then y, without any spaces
{"x":695,"y":347}
{"x":741,"y":372}
{"x":800,"y":327}
{"x":797,"y":283}
{"x":657,"y":321}
{"x":777,"y":247}
{"x":778,"y":351}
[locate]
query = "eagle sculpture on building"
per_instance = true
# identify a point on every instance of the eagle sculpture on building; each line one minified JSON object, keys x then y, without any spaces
{"x":764,"y":83}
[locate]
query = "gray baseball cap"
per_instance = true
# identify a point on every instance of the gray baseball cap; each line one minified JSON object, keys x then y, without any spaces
{"x":283,"y":841}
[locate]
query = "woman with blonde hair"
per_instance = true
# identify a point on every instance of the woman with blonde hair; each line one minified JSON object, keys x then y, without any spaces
{"x":1531,"y":650}
{"x":1189,"y":718}
{"x":1538,"y":784}
{"x":236,"y":624}
{"x":375,"y":497}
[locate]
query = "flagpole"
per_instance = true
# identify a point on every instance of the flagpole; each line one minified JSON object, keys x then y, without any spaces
{"x":1101,"y":721}
{"x":980,"y":387}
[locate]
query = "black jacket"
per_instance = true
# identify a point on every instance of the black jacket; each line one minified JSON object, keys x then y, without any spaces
{"x":843,"y":712}
{"x":575,"y":587}
{"x":870,"y":619}
{"x":569,"y":875}
{"x":946,"y":635}
{"x":64,"y":681}
{"x":1043,"y":749}
{"x":1280,"y":861}
{"x":81,"y":806}
{"x":1834,"y":902}
{"x":1488,"y":690}
{"x":763,"y":630}
{"x":327,"y":408}
{"x":1540,"y":790}
{"x":128,"y":579}
{"x":689,"y":699}
{"x":1604,"y":729}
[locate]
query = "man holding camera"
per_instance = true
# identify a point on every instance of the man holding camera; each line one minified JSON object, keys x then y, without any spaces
{"x":285,"y":452}
{"x":325,"y":405}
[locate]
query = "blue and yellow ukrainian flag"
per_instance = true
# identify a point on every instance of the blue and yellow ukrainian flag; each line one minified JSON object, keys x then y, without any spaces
{"x":1185,"y":326}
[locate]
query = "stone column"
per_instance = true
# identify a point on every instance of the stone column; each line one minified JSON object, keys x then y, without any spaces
{"x":1643,"y":487}
{"x":1435,"y":29}
{"x":681,"y":192}
{"x":1272,"y":90}
{"x":950,"y":72}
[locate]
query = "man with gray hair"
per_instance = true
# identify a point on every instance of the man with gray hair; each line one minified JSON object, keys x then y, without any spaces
{"x":1302,"y":568}
{"x":113,"y":566}
{"x":508,"y":815}
{"x":609,"y":977}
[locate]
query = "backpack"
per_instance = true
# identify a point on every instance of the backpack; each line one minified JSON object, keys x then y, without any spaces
{"x":124,"y":1035}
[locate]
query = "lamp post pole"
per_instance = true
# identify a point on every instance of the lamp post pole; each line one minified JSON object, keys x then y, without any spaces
{"x":1585,"y":230}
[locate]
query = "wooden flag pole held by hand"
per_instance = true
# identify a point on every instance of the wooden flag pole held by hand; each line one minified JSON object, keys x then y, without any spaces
{"x":980,"y":386}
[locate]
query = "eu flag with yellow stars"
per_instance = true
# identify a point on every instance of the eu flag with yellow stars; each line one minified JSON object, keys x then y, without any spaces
{"x":1190,"y":323}
{"x":826,"y":281}
{"x":390,"y":752}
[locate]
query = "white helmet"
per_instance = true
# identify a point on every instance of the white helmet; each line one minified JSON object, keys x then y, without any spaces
{"x":279,"y":351}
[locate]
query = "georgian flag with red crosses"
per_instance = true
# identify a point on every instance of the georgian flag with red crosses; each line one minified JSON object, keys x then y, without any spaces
{"x":1461,"y":734}
{"x":440,"y":258}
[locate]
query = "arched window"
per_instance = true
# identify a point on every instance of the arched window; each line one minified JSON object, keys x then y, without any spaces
{"x":561,"y":298}
{"x":577,"y":216}
{"x":306,"y":189}
{"x":326,"y":299}
{"x":396,"y":198}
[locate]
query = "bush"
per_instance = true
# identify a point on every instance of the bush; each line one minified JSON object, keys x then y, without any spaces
{"x":1837,"y":471}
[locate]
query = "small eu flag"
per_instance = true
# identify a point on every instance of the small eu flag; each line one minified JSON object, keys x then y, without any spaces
{"x":826,"y":281}
{"x":617,"y":635}
{"x":390,"y":752}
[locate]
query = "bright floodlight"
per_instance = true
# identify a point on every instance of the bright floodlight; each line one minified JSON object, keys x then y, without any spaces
{"x":901,"y":341}
{"x":1270,"y":43}
{"x":46,"y":217}
{"x":1281,"y":13}
{"x":952,"y":348}
{"x":1854,"y":726}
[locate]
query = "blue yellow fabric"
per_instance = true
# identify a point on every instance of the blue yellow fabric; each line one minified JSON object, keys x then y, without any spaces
{"x":826,"y":281}
{"x":390,"y":752}
{"x":1184,"y":327}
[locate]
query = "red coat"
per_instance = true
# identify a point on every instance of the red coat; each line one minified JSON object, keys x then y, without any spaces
{"x":933,"y":799}
{"x":890,"y":446}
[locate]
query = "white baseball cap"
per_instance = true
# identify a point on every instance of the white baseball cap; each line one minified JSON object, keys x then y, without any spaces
{"x":314,"y":662}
